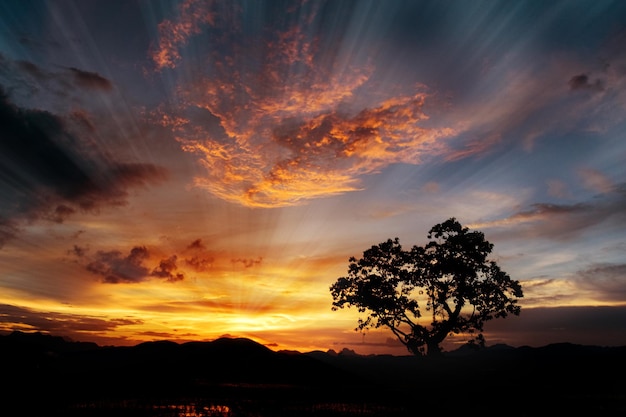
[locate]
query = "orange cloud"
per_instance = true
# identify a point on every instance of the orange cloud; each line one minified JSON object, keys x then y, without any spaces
{"x":287,"y":124}
{"x":193,"y":15}
{"x":267,"y":166}
{"x":538,"y":213}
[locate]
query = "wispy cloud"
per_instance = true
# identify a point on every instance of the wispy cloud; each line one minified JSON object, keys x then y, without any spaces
{"x":474,"y":148}
{"x":549,"y":291}
{"x":522,"y":102}
{"x":565,"y":221}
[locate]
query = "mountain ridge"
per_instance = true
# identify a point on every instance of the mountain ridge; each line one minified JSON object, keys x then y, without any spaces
{"x":64,"y":344}
{"x":62,"y":375}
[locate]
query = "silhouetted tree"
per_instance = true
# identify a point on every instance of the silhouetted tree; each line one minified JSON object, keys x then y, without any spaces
{"x":450,"y":278}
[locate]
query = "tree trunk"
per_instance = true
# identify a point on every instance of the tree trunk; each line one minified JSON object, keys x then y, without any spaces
{"x":433,"y":349}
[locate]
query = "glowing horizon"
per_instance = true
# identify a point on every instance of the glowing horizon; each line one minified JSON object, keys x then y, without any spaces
{"x":193,"y":169}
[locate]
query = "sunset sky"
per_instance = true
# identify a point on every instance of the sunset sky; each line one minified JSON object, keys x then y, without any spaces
{"x":194,"y":169}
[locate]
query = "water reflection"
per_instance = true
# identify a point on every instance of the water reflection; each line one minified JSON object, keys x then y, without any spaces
{"x":249,"y":407}
{"x":193,"y":410}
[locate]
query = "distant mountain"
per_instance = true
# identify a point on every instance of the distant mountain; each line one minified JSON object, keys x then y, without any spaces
{"x":44,"y":342}
{"x":157,"y":367}
{"x":468,"y":349}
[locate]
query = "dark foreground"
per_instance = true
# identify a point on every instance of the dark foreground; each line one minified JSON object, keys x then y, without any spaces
{"x":47,"y":376}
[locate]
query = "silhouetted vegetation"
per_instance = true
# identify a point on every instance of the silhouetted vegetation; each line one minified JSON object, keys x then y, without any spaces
{"x":450,"y":278}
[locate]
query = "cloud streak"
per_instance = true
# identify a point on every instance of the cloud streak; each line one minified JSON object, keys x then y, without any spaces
{"x":565,"y":221}
{"x":76,"y":326}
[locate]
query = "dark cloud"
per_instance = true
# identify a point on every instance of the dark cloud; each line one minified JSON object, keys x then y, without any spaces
{"x":199,"y":258}
{"x":48,"y":173}
{"x":581,"y":82}
{"x":19,"y":72}
{"x":568,"y":221}
{"x":167,"y":270}
{"x":78,"y":251}
{"x":31,"y":69}
{"x":60,"y":213}
{"x":200,"y":263}
{"x":63,"y":324}
{"x":83,"y":121}
{"x":247,"y":263}
{"x":136,"y":174}
{"x":196,"y":244}
{"x":38,"y":43}
{"x":543,"y":209}
{"x":8,"y":230}
{"x":90,"y":80}
{"x":116,"y":268}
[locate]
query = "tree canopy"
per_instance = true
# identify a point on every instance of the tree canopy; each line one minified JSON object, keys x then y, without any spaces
{"x":429,"y":292}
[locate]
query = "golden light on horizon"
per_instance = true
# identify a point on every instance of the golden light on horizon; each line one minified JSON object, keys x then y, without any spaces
{"x":210,"y":170}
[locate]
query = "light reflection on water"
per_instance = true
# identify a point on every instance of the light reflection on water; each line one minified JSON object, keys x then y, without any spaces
{"x":203,"y":408}
{"x":193,"y":410}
